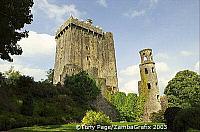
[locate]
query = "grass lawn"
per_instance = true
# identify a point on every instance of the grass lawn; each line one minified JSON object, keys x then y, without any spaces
{"x":72,"y":127}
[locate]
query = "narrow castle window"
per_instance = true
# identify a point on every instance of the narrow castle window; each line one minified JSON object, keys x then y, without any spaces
{"x":157,"y":97}
{"x":87,"y":57}
{"x":149,"y":85}
{"x":156,"y":83}
{"x":86,"y":47}
{"x":152,"y":70}
{"x":146,"y":71}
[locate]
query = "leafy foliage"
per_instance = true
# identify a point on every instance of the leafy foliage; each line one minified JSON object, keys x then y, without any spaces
{"x":183,"y":90}
{"x":130,"y":107}
{"x":180,"y":120}
{"x":24,"y":102}
{"x":187,"y":118}
{"x":50,"y":74}
{"x":82,"y":87}
{"x":169,"y":116}
{"x":14,"y":14}
{"x":118,"y":99}
{"x":12,"y":74}
{"x":157,"y":116}
{"x":96,"y":118}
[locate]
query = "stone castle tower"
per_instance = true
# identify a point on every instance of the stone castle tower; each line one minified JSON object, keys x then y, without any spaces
{"x":83,"y":46}
{"x":148,"y":86}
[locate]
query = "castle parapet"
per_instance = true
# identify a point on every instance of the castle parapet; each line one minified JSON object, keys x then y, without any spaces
{"x":85,"y":25}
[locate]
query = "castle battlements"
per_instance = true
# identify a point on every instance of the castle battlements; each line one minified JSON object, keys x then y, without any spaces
{"x":84,"y":25}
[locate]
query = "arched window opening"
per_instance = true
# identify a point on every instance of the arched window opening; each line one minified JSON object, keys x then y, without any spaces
{"x":145,"y":58}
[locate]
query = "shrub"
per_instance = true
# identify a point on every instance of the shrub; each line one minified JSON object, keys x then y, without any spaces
{"x":157,"y":116}
{"x":82,"y":87}
{"x":187,"y":118}
{"x":170,"y":115}
{"x":96,"y":118}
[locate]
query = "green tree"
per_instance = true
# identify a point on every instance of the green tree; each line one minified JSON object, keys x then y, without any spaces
{"x":119,"y":99}
{"x":140,"y":108}
{"x":184,"y":90}
{"x":82,"y":87}
{"x":157,"y":116}
{"x":12,"y":74}
{"x":2,"y":79}
{"x":14,"y":14}
{"x":130,"y":107}
{"x":186,"y":119}
{"x":50,"y":74}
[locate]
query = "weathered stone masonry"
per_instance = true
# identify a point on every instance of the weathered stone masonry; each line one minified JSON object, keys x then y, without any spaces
{"x":148,"y":86}
{"x":82,"y":46}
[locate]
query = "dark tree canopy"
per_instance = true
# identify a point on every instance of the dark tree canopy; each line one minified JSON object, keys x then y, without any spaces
{"x":24,"y":102}
{"x":14,"y":14}
{"x":50,"y":74}
{"x":184,"y":90}
{"x":170,"y":115}
{"x":82,"y":87}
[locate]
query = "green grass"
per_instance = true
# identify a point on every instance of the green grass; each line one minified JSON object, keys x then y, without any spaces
{"x":72,"y":127}
{"x":66,"y":127}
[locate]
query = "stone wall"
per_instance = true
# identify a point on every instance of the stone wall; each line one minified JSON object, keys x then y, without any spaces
{"x":82,"y":46}
{"x":148,"y":86}
{"x":101,"y":104}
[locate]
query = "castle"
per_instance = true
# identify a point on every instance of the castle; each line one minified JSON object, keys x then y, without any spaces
{"x":148,"y":86}
{"x":83,"y":46}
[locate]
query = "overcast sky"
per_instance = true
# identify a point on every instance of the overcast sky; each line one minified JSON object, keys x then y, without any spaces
{"x":169,"y":27}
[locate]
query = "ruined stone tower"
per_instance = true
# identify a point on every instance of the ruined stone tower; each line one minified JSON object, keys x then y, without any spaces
{"x":148,"y":86}
{"x":83,"y":46}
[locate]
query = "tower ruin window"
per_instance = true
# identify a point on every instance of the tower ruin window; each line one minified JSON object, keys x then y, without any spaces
{"x":146,"y":71}
{"x":87,"y":58}
{"x":86,"y":47}
{"x":60,"y":78}
{"x":149,"y":85}
{"x":145,"y":58}
{"x":157,"y":97}
{"x":156,"y":83}
{"x":152,"y":70}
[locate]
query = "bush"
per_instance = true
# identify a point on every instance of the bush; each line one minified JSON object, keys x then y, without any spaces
{"x":96,"y":118}
{"x":82,"y":87}
{"x":170,"y":115}
{"x":187,"y":118}
{"x":157,"y":117}
{"x":24,"y":102}
{"x":14,"y":120}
